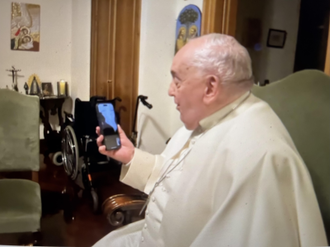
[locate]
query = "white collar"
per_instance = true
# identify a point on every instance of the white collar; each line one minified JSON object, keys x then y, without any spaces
{"x":212,"y":120}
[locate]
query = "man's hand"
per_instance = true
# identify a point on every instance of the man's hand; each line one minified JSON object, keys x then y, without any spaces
{"x":124,"y":154}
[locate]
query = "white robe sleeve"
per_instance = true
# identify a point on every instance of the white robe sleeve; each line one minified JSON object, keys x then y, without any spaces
{"x":143,"y":169}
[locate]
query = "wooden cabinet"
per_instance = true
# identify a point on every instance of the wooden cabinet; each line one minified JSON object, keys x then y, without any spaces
{"x":115,"y":42}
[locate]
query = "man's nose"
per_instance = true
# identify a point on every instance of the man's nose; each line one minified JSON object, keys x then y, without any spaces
{"x":171,"y":89}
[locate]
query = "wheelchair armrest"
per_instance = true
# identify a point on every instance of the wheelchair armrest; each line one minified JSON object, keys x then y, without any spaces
{"x":118,"y":208}
{"x":67,"y":114}
{"x":68,"y":117}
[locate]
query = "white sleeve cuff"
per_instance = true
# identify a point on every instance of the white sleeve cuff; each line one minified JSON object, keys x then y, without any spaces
{"x":137,"y":172}
{"x":129,"y":163}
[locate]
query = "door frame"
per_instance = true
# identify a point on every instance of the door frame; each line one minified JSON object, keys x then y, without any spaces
{"x":219,"y":16}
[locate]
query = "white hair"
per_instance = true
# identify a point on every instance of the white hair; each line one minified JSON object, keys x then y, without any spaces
{"x":225,"y":57}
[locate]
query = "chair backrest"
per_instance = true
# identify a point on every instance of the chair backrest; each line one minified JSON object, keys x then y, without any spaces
{"x":302,"y":102}
{"x":85,"y":118}
{"x":85,"y":115}
{"x":19,"y":131}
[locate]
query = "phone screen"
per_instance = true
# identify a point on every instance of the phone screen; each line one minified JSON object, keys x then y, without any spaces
{"x":107,"y":121}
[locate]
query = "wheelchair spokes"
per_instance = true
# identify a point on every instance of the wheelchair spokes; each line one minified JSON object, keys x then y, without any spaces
{"x":70,"y":152}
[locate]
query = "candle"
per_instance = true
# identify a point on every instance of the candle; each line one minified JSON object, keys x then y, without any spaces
{"x":62,"y":88}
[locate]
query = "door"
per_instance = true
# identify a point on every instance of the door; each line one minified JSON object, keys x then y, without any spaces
{"x":219,"y":16}
{"x":312,"y":40}
{"x":115,"y":54}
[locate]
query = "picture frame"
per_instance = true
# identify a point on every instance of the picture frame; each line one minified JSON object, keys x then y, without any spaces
{"x":188,"y":25}
{"x":47,"y":89}
{"x":25,"y":27}
{"x":276,"y":38}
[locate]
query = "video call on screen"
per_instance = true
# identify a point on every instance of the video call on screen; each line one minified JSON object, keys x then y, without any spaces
{"x":107,"y":119}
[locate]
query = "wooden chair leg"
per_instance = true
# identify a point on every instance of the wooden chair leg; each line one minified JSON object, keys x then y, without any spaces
{"x":30,"y":239}
{"x":37,"y":238}
{"x":68,"y":205}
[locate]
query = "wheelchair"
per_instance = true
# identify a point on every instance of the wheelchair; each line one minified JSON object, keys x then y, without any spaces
{"x":81,"y":157}
{"x":79,"y":148}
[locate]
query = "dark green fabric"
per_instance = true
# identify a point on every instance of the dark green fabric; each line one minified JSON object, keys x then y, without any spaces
{"x":302,"y":101}
{"x":19,"y":131}
{"x":20,"y":202}
{"x":20,"y":206}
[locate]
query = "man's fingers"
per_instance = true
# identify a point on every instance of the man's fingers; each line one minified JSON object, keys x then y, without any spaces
{"x":99,"y":140}
{"x":98,"y":131}
{"x":121,"y":132}
{"x":102,"y":150}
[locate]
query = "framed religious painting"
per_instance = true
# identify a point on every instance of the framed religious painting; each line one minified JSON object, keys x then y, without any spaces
{"x":47,"y":89}
{"x":188,"y":25}
{"x":25,"y":27}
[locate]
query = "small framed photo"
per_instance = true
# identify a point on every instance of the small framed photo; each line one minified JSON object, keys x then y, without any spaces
{"x":47,"y":88}
{"x":276,"y":38}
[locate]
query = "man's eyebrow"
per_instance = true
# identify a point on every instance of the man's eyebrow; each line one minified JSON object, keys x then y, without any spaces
{"x":174,"y":74}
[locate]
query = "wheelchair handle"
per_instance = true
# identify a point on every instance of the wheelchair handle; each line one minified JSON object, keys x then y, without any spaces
{"x":117,"y":99}
{"x":143,"y":100}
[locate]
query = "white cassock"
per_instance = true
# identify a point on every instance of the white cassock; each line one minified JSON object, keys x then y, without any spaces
{"x":237,"y":180}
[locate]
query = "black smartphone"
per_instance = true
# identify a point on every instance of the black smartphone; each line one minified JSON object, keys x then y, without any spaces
{"x":107,"y":121}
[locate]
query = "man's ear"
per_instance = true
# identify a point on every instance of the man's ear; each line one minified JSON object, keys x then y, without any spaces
{"x":212,"y":88}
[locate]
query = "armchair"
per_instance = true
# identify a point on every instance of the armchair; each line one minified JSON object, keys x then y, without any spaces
{"x":302,"y":102}
{"x":20,"y":201}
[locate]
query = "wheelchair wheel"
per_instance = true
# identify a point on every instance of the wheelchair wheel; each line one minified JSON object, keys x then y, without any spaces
{"x":70,"y":148}
{"x":57,"y":158}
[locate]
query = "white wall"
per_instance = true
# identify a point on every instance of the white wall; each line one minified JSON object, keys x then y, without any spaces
{"x":53,"y":61}
{"x":271,"y":63}
{"x":80,"y":53}
{"x":64,"y":48}
{"x":156,"y":53}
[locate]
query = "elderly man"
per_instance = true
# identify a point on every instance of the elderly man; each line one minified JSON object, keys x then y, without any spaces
{"x":231,"y":176}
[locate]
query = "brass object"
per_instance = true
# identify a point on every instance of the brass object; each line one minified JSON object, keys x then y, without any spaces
{"x":29,"y":82}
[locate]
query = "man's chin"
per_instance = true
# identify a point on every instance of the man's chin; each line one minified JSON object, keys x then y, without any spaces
{"x":189,"y":126}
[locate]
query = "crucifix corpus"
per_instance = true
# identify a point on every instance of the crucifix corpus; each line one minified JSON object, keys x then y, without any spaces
{"x":14,"y":75}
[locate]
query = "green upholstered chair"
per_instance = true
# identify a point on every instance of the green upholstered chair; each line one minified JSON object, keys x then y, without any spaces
{"x":20,"y":201}
{"x":302,"y":101}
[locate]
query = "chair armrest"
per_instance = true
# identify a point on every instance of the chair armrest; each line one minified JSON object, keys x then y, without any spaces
{"x":118,"y":208}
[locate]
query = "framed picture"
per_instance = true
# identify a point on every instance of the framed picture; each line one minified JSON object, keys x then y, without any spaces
{"x":188,"y":25}
{"x":276,"y":38}
{"x":25,"y":27}
{"x":47,"y":88}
